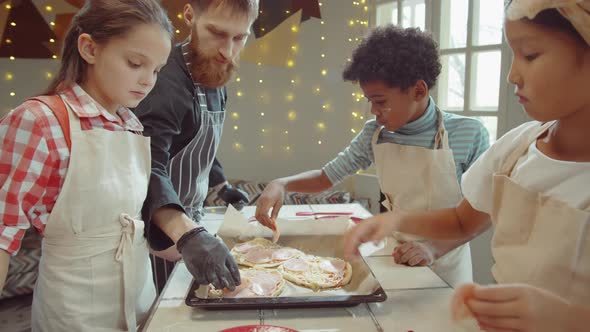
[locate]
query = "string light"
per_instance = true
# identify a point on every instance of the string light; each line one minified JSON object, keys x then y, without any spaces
{"x":235,"y":115}
{"x":8,"y":76}
{"x":236,"y":127}
{"x":48,"y":8}
{"x":12,"y":94}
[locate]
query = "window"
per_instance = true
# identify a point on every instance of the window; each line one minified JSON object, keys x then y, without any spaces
{"x":471,"y":44}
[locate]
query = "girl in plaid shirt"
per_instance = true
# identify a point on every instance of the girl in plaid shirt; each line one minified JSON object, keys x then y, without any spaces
{"x":75,"y":167}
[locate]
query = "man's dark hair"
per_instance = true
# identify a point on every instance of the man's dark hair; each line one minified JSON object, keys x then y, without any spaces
{"x":249,"y":7}
{"x":396,"y":56}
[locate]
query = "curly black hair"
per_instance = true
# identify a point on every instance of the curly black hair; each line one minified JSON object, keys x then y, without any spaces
{"x":396,"y":56}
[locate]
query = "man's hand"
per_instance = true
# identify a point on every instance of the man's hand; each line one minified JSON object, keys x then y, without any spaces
{"x":271,"y":197}
{"x":234,"y":196}
{"x":414,"y":253}
{"x":208,"y":259}
{"x":519,"y":308}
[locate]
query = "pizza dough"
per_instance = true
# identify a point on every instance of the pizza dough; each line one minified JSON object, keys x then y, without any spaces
{"x":308,"y":271}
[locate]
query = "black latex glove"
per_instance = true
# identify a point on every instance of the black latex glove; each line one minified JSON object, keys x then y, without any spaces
{"x":234,"y":196}
{"x":208,"y":259}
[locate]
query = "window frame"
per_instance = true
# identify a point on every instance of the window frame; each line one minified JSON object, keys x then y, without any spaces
{"x":505,"y":119}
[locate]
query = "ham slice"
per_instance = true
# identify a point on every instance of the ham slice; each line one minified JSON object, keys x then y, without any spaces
{"x":243,"y":290}
{"x":332,"y":265}
{"x":245,"y":247}
{"x":284,"y":254}
{"x":264,"y":283}
{"x":259,"y":256}
{"x":296,"y":265}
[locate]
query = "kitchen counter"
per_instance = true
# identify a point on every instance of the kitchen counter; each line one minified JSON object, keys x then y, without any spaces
{"x":417,"y":298}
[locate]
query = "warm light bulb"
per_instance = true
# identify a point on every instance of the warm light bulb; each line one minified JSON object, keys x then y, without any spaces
{"x":259,"y":81}
{"x":48,"y":8}
{"x":12,"y":94}
{"x":286,"y":132}
{"x":294,"y":28}
{"x":321,"y":125}
{"x":323,"y":38}
{"x":238,"y":79}
{"x":52,"y":40}
{"x":353,"y":131}
{"x":320,"y":142}
{"x":237,"y":146}
{"x":8,"y":76}
{"x":287,"y":148}
{"x":8,"y":41}
{"x":290,"y":63}
{"x":323,"y":55}
{"x":324,"y":72}
{"x":179,"y":15}
{"x":54,"y":56}
{"x":262,"y":147}
{"x":261,"y":113}
{"x":177,"y":31}
{"x":48,"y":75}
{"x":235,"y":127}
{"x":292,"y":115}
{"x":290,"y":97}
{"x":239,"y":93}
{"x":13,"y":24}
{"x":11,"y":57}
{"x":8,"y":6}
{"x":235,"y":115}
{"x":52,"y":24}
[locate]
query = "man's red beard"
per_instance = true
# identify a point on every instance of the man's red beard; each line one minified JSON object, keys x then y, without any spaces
{"x":208,"y":71}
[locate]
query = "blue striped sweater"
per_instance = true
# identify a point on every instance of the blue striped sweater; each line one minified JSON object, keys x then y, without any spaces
{"x":468,"y":138}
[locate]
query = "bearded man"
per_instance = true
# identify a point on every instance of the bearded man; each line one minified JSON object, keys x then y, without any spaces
{"x":184,"y":116}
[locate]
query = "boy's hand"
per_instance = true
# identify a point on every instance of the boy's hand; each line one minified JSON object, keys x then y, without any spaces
{"x":371,"y":229}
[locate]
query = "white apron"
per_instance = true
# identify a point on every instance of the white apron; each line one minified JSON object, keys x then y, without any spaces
{"x":189,"y":168}
{"x":94,"y":273}
{"x":417,"y":178}
{"x":539,"y":240}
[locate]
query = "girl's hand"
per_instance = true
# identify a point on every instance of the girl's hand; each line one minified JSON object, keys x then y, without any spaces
{"x":518,"y":307}
{"x":371,"y":229}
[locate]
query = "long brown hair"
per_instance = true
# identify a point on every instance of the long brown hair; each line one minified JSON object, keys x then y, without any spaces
{"x":103,"y":20}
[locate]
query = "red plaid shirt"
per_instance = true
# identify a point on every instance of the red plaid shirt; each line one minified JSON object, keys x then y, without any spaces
{"x":34,"y":159}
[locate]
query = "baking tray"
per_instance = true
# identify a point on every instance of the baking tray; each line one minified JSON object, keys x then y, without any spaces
{"x":363,"y":286}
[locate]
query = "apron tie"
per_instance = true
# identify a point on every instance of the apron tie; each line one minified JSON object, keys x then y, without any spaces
{"x":126,"y":232}
{"x":129,"y":225}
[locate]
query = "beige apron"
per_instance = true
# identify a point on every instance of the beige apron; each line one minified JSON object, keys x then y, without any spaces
{"x":539,"y":240}
{"x":417,"y":178}
{"x":94,"y":273}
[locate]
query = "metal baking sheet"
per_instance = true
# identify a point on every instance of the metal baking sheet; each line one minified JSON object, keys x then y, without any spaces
{"x":363,"y":286}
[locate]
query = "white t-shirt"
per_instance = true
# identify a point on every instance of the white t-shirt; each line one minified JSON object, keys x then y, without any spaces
{"x":563,"y":180}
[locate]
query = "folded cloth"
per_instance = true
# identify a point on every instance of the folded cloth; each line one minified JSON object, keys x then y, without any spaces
{"x":576,"y":11}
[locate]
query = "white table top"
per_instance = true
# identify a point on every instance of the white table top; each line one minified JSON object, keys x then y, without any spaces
{"x":417,"y":298}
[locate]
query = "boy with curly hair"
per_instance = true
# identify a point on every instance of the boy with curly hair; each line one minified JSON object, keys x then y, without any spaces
{"x":419,"y":152}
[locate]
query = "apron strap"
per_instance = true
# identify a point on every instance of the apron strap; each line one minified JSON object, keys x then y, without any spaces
{"x":131,"y":228}
{"x":441,"y":138}
{"x":513,"y":157}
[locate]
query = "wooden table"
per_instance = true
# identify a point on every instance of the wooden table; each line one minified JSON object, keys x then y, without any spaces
{"x":417,"y":298}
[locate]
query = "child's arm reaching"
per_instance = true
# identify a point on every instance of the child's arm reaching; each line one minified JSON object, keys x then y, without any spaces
{"x":462,"y":222}
{"x":521,"y":308}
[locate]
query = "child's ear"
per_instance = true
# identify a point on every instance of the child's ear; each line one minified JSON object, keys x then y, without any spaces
{"x":87,"y":48}
{"x":420,"y":90}
{"x":189,"y":15}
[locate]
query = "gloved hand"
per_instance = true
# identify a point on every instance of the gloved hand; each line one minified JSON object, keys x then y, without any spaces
{"x":208,"y":259}
{"x":234,"y":196}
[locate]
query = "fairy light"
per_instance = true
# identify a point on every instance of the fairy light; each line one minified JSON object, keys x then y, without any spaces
{"x":235,"y":115}
{"x":8,"y":76}
{"x":236,"y":127}
{"x":48,"y":8}
{"x":239,"y":93}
